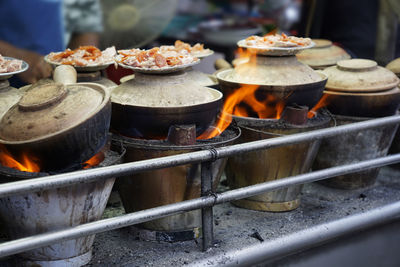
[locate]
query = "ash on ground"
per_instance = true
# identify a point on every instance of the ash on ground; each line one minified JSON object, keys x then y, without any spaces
{"x":236,"y":228}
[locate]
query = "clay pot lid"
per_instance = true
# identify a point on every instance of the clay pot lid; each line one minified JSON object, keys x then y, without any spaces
{"x":322,"y":43}
{"x":200,"y":78}
{"x":394,"y":66}
{"x":322,"y":55}
{"x":44,"y":111}
{"x":359,"y":75}
{"x":279,"y":71}
{"x":163,"y":91}
{"x":8,"y":96}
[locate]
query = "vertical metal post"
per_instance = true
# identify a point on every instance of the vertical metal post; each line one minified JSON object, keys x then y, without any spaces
{"x":207,"y":219}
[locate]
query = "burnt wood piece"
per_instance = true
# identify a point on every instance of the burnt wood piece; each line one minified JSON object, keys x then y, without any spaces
{"x":182,"y":134}
{"x":296,"y":115}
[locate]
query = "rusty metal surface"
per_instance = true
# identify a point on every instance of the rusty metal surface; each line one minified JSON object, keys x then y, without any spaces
{"x":271,"y":164}
{"x":353,"y":147}
{"x":21,"y":245}
{"x":55,"y":209}
{"x":164,"y":186}
{"x":235,"y":227}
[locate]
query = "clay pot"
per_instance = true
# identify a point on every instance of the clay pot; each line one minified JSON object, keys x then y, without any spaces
{"x":284,"y":78}
{"x":375,"y":104}
{"x":95,"y":77}
{"x":201,"y":78}
{"x":394,"y":66}
{"x":359,"y":87}
{"x":59,"y":125}
{"x":322,"y":55}
{"x":149,"y":104}
{"x":359,"y":76}
{"x":9,"y":96}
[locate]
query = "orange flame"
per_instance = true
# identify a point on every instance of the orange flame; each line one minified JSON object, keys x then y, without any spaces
{"x":243,"y":101}
{"x":323,"y":102}
{"x":269,"y":108}
{"x":229,"y":105}
{"x":26,"y":164}
{"x":240,"y":111}
{"x":94,"y":161}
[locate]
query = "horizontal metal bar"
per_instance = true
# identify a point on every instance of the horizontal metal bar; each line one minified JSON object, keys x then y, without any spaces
{"x":253,"y":190}
{"x":304,"y":239}
{"x":28,"y":243}
{"x":85,"y":176}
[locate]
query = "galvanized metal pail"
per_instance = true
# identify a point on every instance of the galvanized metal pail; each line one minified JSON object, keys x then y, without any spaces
{"x":168,"y":185}
{"x":272,"y":164}
{"x":353,"y":147}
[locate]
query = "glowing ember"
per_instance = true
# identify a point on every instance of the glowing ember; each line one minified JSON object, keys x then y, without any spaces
{"x":323,"y":102}
{"x":94,"y":161}
{"x":28,"y":163}
{"x":25,"y":164}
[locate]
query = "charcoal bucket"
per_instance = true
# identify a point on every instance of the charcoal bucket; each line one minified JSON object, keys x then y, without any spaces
{"x":49,"y":210}
{"x":354,"y":147}
{"x":168,"y":185}
{"x":272,"y":164}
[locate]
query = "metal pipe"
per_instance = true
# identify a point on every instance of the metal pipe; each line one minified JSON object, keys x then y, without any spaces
{"x":304,"y":239}
{"x":23,"y":244}
{"x":86,"y":176}
{"x":253,"y":190}
{"x":207,"y":219}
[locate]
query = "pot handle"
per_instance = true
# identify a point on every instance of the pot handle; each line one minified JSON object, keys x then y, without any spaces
{"x":65,"y":74}
{"x":222,"y":64}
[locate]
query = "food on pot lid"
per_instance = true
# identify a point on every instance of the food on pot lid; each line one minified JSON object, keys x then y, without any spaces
{"x":83,"y":56}
{"x":155,"y":58}
{"x":276,"y":40}
{"x":197,"y":50}
{"x":9,"y":65}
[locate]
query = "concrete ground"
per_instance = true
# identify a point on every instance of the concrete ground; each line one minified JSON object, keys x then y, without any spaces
{"x":236,"y":228}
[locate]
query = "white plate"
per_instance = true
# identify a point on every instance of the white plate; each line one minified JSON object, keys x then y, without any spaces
{"x":81,"y":68}
{"x":206,"y":53}
{"x":274,"y":51}
{"x":7,"y":75}
{"x":160,"y":70}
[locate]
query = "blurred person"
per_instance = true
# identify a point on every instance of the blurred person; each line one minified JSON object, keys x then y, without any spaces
{"x":366,"y":29}
{"x":33,"y":28}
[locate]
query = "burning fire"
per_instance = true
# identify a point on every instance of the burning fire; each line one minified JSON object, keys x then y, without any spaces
{"x":323,"y":102}
{"x":94,"y":161}
{"x":25,"y":164}
{"x":243,"y":102}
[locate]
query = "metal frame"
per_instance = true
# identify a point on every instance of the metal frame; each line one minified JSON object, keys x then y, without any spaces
{"x":208,"y":198}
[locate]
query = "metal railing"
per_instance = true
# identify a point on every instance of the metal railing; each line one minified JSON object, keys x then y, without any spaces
{"x":208,"y":198}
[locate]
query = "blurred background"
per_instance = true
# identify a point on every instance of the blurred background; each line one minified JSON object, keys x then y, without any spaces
{"x":366,"y":29}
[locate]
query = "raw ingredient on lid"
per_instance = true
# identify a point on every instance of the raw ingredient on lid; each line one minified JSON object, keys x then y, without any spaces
{"x":197,"y":50}
{"x":276,"y":40}
{"x":156,"y":58}
{"x":7,"y":65}
{"x":84,"y":56}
